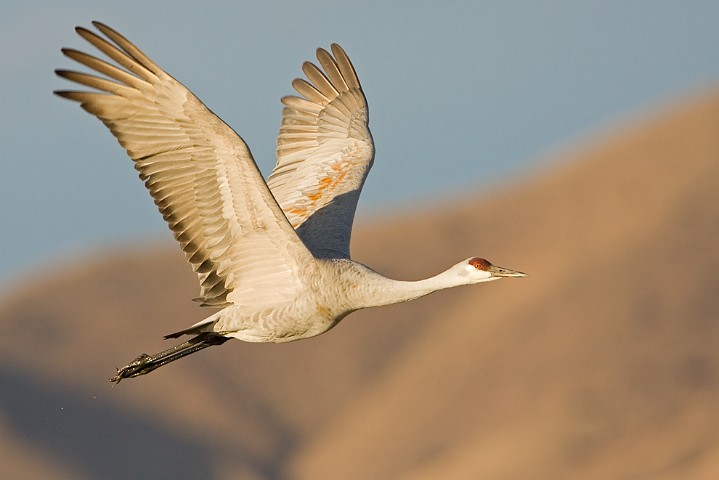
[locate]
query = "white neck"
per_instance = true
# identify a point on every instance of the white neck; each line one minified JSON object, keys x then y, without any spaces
{"x":386,"y":291}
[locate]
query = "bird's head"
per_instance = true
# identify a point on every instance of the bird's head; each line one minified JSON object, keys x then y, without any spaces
{"x":477,"y":270}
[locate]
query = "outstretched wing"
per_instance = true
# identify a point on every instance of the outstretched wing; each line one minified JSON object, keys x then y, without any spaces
{"x":324,"y":152}
{"x":199,"y":172}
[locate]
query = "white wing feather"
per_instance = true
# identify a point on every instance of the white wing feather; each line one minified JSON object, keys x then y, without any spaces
{"x":324,"y":152}
{"x":200,"y":173}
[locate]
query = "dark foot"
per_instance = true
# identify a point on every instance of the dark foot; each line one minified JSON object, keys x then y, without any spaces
{"x":139,"y":366}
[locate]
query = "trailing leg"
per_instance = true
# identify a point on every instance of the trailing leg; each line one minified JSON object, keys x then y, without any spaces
{"x":147,"y":363}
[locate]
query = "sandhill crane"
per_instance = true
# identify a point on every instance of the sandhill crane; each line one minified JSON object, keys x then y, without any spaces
{"x":274,"y":255}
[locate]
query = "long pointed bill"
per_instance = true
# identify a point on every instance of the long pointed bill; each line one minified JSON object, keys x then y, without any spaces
{"x":504,"y":272}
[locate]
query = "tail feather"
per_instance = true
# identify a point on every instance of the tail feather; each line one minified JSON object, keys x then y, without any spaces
{"x":196,"y":329}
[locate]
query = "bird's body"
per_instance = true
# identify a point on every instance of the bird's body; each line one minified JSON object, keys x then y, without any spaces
{"x":274,"y":256}
{"x":333,"y":288}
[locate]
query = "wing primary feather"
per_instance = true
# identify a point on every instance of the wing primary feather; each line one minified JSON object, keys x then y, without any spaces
{"x":301,"y":104}
{"x":309,"y":92}
{"x":331,"y":69}
{"x":105,"y":68}
{"x":345,"y":66}
{"x":95,"y":82}
{"x":115,"y":54}
{"x":319,"y":80}
{"x":129,"y":48}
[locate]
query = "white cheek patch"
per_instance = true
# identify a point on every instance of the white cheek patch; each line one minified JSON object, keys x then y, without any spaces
{"x":476,"y":273}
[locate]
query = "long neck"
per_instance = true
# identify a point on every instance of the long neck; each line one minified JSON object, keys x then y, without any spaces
{"x":380,"y":290}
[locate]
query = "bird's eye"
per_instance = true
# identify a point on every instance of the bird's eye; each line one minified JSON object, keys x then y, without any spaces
{"x":480,"y":263}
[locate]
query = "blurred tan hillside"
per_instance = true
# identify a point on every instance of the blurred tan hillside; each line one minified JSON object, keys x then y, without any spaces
{"x":603,"y":364}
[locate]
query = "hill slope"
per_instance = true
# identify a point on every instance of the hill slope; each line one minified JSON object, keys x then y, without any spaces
{"x":603,"y":364}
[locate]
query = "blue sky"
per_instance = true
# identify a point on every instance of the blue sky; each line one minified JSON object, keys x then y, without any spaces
{"x":462,"y":95}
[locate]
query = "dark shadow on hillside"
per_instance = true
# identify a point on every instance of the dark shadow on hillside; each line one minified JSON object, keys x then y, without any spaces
{"x":97,"y":439}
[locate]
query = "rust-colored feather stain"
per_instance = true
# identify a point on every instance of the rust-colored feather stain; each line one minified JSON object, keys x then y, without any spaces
{"x":325,"y":189}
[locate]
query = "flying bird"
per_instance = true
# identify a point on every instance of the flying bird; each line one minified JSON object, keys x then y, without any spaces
{"x":274,"y":256}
